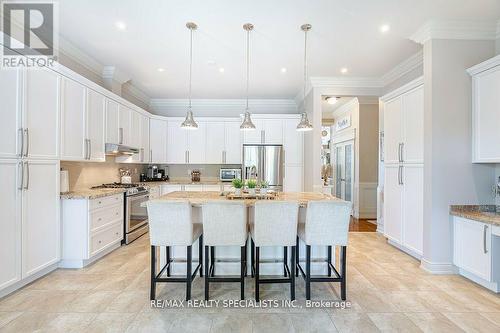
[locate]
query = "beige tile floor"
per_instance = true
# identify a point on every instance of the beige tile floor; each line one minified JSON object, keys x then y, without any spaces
{"x":387,"y":289}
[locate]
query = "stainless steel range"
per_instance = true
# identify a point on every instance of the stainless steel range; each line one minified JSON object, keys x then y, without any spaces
{"x":136,"y":217}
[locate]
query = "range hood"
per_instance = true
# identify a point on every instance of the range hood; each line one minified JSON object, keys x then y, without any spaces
{"x":115,"y":149}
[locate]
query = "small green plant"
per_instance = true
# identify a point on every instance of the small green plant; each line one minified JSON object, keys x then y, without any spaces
{"x":251,"y":183}
{"x":237,"y":183}
{"x":264,"y":184}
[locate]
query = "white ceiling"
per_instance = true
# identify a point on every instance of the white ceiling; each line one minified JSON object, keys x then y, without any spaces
{"x":345,"y":33}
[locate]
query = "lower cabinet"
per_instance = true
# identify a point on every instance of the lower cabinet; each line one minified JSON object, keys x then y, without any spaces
{"x":91,"y":228}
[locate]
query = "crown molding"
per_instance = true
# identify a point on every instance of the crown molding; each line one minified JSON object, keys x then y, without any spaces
{"x":112,"y":73}
{"x":456,"y":29}
{"x":131,"y":90}
{"x":403,"y":68}
{"x":76,"y":54}
{"x":403,"y":89}
{"x":485,"y":65}
{"x":351,"y":82}
{"x":368,"y":99}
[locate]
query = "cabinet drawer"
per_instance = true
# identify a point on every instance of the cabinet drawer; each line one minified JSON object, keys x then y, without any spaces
{"x":101,"y":217}
{"x":105,"y":201}
{"x":104,"y":238}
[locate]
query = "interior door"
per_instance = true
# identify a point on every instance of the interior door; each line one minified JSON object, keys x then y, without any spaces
{"x":95,"y":124}
{"x":10,"y":97}
{"x":344,"y":170}
{"x":41,"y":113}
{"x":40,"y":226}
{"x":73,"y":121}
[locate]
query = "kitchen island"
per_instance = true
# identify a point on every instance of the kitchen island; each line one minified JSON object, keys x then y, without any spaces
{"x":227,"y":258}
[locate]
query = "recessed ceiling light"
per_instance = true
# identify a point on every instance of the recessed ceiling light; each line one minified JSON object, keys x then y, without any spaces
{"x":343,"y":70}
{"x":331,"y":100}
{"x":120,"y":25}
{"x":161,"y":69}
{"x":283,"y":70}
{"x":385,"y":28}
{"x":221,"y":70}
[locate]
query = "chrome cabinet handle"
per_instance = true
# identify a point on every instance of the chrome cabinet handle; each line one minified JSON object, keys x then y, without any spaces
{"x":401,"y":172}
{"x":151,"y":155}
{"x":399,"y":152}
{"x":121,"y":135}
{"x":402,"y":151}
{"x":27,"y":176}
{"x":187,"y":156}
{"x":222,"y":159}
{"x":399,"y":175}
{"x":21,"y":135}
{"x":21,"y":173}
{"x":90,"y":149}
{"x":27,"y":133}
{"x":485,"y":231}
{"x":85,"y":149}
{"x":142,"y":155}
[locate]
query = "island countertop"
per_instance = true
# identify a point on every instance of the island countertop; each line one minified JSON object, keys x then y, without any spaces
{"x":197,"y":198}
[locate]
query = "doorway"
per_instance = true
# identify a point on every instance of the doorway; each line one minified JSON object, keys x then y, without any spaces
{"x":344,"y":170}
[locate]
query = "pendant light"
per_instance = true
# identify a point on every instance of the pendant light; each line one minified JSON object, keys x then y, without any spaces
{"x":304,"y":124}
{"x":189,"y":122}
{"x":247,"y":124}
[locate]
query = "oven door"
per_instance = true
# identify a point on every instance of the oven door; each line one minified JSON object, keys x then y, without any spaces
{"x":136,"y":216}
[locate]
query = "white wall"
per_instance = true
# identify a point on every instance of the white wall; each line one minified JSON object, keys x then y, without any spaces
{"x":449,"y":176}
{"x":404,"y":79}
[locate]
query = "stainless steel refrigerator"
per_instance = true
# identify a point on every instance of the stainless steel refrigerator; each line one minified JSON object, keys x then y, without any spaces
{"x":264,"y":163}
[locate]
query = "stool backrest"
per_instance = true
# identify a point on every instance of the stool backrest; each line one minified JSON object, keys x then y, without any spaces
{"x":224,"y":223}
{"x":327,"y":222}
{"x":276,"y":223}
{"x":170,"y":223}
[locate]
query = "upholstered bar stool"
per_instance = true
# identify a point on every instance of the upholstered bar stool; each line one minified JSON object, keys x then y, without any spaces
{"x":275,"y":224}
{"x":224,"y":224}
{"x":171,"y":224}
{"x":327,"y":224}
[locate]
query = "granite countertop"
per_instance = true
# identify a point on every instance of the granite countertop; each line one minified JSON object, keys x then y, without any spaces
{"x":199,"y":198}
{"x":187,"y":182}
{"x":489,"y":214}
{"x":91,"y":193}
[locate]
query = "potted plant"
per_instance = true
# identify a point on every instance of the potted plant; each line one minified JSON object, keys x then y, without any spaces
{"x":264,"y":185}
{"x":237,"y":184}
{"x":251,"y":184}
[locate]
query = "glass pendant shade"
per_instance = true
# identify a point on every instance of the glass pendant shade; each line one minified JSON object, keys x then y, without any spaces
{"x":304,"y":124}
{"x":189,"y":122}
{"x":247,"y":124}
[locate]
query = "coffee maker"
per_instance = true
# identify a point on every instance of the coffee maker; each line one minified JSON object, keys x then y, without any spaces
{"x":156,"y":174}
{"x":152,"y":172}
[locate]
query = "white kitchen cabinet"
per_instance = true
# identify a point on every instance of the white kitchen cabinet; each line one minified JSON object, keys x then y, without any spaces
{"x":485,"y":111}
{"x":196,"y":144}
{"x":158,"y":141}
{"x":74,"y":144}
{"x":273,"y":131}
{"x":95,"y":125}
{"x":293,"y":143}
{"x":165,"y":189}
{"x":393,"y":204}
{"x":41,"y":113}
{"x":212,"y":188}
{"x":135,"y":129}
{"x":177,"y":143}
{"x":193,"y":187}
{"x":10,"y":222}
{"x":255,"y":136}
{"x":145,"y":147}
{"x":233,"y":136}
{"x":413,"y":207}
{"x":124,"y":121}
{"x":11,"y":99}
{"x":40,"y":216}
{"x":293,"y":180}
{"x":215,"y":142}
{"x":112,"y":122}
{"x":392,"y":130}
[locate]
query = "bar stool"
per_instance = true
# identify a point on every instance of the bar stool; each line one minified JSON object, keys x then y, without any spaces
{"x":327,"y":224}
{"x":224,"y":224}
{"x":171,"y":224}
{"x":275,"y":225}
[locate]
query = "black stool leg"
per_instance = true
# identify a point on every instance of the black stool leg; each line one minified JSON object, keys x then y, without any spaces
{"x":207,"y":265}
{"x":242,"y":273}
{"x":212,"y":259}
{"x":200,"y":255}
{"x":297,"y":257}
{"x":153,"y":273}
{"x":292,"y":275}
{"x":308,"y":272}
{"x":329,"y":260}
{"x":257,"y":257}
{"x":344,"y":270}
{"x":252,"y":257}
{"x":188,"y":273}
{"x":167,"y":250}
{"x":285,"y":260}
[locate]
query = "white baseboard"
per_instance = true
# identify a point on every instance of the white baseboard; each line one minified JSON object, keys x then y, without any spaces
{"x":18,"y":285}
{"x":80,"y":263}
{"x":437,"y":268}
{"x":405,"y":249}
{"x":493,"y":286}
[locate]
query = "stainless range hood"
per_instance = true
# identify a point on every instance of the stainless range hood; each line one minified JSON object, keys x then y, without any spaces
{"x":115,"y":149}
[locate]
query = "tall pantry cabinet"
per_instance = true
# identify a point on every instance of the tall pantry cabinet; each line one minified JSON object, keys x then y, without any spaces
{"x":29,"y":174}
{"x":404,"y":167}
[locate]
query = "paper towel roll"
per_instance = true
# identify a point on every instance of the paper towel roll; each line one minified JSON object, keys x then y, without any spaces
{"x":64,"y":184}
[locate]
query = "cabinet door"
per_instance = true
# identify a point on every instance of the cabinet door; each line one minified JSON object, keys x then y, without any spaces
{"x":293,"y":180}
{"x":10,"y":222}
{"x":10,"y":97}
{"x":293,"y":143}
{"x":112,"y":122}
{"x":473,"y":247}
{"x":486,"y":116}
{"x":124,"y":132}
{"x":232,"y":143}
{"x":255,"y":136}
{"x":393,"y":204}
{"x":41,"y":113}
{"x":193,"y":188}
{"x":158,"y":141}
{"x":145,"y":140}
{"x":212,"y":188}
{"x":40,"y":227}
{"x":413,"y":206}
{"x":392,"y":130}
{"x":177,"y":143}
{"x":413,"y":126}
{"x":215,"y":142}
{"x":197,"y":140}
{"x":95,"y":125}
{"x":135,"y":129}
{"x":165,"y":189}
{"x":73,"y":135}
{"x":273,"y":131}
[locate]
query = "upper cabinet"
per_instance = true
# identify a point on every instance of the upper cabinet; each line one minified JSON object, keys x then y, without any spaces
{"x":11,"y":99}
{"x":96,"y":105}
{"x":486,"y":111}
{"x":124,"y":129}
{"x":112,"y":122}
{"x":223,"y":143}
{"x":145,"y":146}
{"x":267,"y":131}
{"x":177,"y":152}
{"x":157,"y":141}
